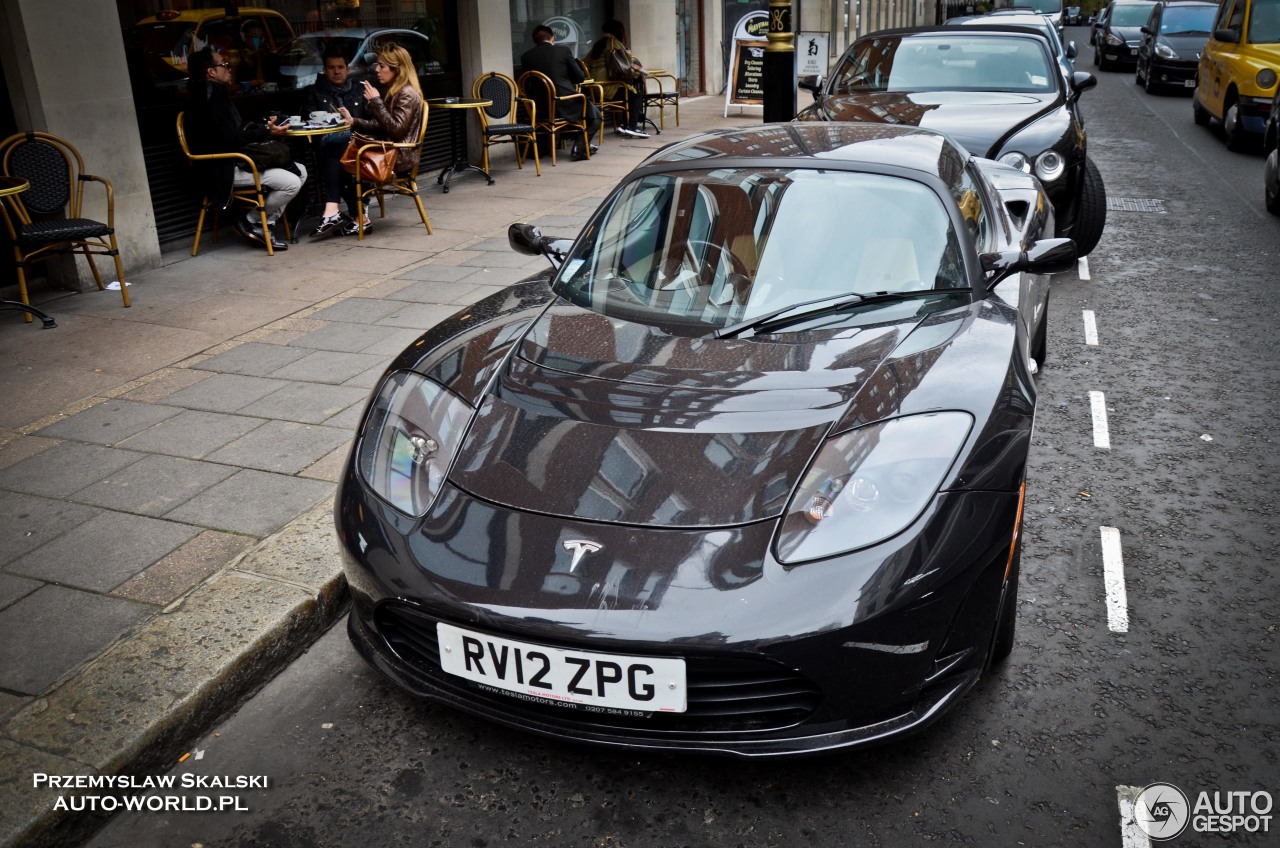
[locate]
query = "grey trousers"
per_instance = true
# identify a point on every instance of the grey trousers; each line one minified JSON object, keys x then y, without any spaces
{"x":281,"y":187}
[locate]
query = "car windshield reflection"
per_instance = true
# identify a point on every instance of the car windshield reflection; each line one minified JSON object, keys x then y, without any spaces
{"x":961,"y":62}
{"x":705,"y":249}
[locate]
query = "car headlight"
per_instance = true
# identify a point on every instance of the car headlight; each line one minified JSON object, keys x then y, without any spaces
{"x":1266,"y":78}
{"x":1050,"y":165}
{"x":1017,"y":160}
{"x":1164,"y":51}
{"x":870,"y":484}
{"x":412,"y":432}
{"x":1114,"y":40}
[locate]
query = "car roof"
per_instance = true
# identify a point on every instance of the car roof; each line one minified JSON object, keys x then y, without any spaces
{"x":205,"y":14}
{"x":357,"y":32}
{"x":821,"y":143}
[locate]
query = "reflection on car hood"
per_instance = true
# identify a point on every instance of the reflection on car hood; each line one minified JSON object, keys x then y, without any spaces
{"x":608,"y":420}
{"x":976,"y":119}
{"x":1186,"y":45}
{"x":1131,"y":35}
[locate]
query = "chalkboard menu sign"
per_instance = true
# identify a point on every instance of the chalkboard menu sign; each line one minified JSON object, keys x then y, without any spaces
{"x":748,"y":73}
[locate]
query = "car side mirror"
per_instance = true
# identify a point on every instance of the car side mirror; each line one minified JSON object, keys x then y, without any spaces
{"x":1082,"y":81}
{"x":1071,"y":50}
{"x":529,"y":240}
{"x":1046,"y":256}
{"x":1230,"y":36}
{"x":814,"y":87}
{"x":1144,"y":30}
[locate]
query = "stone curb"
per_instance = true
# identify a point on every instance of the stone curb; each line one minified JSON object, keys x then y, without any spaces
{"x":126,"y":711}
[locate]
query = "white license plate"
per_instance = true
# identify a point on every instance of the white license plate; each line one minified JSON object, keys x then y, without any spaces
{"x":1133,"y":51}
{"x":1190,"y":83}
{"x":600,"y":682}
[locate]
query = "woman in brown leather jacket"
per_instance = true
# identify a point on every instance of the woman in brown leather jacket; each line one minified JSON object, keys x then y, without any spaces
{"x":397,"y":115}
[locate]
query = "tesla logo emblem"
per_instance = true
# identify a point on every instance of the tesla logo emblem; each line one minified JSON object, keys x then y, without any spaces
{"x":580,"y":548}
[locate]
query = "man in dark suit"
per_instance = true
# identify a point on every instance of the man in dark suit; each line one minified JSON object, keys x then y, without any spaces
{"x":562,"y":68}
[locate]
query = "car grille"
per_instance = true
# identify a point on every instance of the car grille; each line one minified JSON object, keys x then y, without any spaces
{"x":724,"y":693}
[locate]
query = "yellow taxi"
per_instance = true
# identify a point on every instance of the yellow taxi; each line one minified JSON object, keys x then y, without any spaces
{"x":1237,"y":74}
{"x":168,"y":37}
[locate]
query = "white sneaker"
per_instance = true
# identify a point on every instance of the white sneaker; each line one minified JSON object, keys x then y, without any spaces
{"x":629,"y":132}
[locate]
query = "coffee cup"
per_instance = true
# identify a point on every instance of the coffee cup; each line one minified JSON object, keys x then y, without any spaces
{"x":319,"y":117}
{"x":295,"y":120}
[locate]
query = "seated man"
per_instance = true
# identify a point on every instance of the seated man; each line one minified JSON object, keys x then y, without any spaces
{"x":329,"y":93}
{"x":214,"y":125}
{"x":558,"y":63}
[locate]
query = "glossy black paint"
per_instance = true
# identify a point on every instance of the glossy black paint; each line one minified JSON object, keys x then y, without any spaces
{"x":1107,"y":56}
{"x":1155,"y":71}
{"x":876,"y":642}
{"x":987,"y":123}
{"x":1271,"y":150}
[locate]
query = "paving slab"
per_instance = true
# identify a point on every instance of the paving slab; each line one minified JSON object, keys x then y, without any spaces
{"x":154,"y":485}
{"x":110,"y":422}
{"x":175,"y":575}
{"x":194,"y":434}
{"x":225,"y":392}
{"x":29,"y":521}
{"x":65,"y":468}
{"x":285,"y":447}
{"x":256,"y":503}
{"x":328,"y":366}
{"x":309,"y":403}
{"x":253,"y":359}
{"x":14,"y":588}
{"x":339,"y":336}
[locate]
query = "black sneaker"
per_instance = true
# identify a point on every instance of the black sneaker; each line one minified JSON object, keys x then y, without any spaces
{"x":349,"y":227}
{"x":329,"y":226}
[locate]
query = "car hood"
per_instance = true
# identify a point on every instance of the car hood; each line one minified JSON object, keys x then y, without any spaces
{"x":1131,"y":35}
{"x":1186,"y":45}
{"x":978,"y":120}
{"x":605,"y":420}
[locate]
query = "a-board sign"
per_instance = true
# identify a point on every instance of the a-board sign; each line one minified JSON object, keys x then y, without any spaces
{"x":746,"y":65}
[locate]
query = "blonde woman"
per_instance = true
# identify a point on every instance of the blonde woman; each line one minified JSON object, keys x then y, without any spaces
{"x":395,"y":116}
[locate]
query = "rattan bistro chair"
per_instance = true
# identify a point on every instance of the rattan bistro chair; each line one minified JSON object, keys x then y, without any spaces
{"x":662,"y":96}
{"x":252,"y":196}
{"x":45,"y":219}
{"x":501,"y":119}
{"x":539,"y":87}
{"x":611,"y":111}
{"x":403,"y":182}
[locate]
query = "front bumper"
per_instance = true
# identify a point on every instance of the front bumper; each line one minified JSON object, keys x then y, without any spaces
{"x":845,"y":652}
{"x":1172,"y":72}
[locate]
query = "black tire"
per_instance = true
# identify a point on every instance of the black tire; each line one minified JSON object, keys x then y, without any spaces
{"x":1007,"y":623}
{"x":1237,"y":139}
{"x":1138,"y":78}
{"x":1040,"y":344}
{"x":1271,"y":190}
{"x":1091,"y":212}
{"x":1097,"y":59}
{"x":1147,"y":85}
{"x":1199,"y":114}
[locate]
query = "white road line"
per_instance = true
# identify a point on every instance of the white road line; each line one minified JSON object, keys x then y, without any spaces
{"x":1101,"y":435}
{"x":1131,"y":836}
{"x":1090,"y":328}
{"x":1113,"y":580}
{"x":1082,"y":267}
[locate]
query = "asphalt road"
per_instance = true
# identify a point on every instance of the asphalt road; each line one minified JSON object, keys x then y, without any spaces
{"x":1037,"y":754}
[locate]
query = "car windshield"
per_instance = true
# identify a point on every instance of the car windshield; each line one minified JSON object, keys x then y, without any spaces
{"x":308,"y":50}
{"x":1130,"y":15}
{"x":1044,"y":7}
{"x":956,"y":62}
{"x":1264,"y":22}
{"x":166,"y":47}
{"x":698,"y":250}
{"x":1181,"y":20}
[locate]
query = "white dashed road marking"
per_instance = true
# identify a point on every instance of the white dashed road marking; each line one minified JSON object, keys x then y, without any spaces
{"x":1101,"y":436}
{"x":1082,"y":267}
{"x":1131,"y":836}
{"x":1090,"y":328}
{"x":1113,"y":580}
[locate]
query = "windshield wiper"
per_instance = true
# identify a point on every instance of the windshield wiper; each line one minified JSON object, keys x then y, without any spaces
{"x":787,"y":315}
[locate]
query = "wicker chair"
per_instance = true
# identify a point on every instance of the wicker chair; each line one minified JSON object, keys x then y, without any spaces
{"x":55,"y":171}
{"x":539,"y":87}
{"x":501,"y":120}
{"x":404,"y":183}
{"x":663,"y":96}
{"x":611,"y":110}
{"x":254,"y":196}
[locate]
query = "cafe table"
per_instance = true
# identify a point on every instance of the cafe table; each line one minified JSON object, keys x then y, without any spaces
{"x":457,"y":143}
{"x":313,"y":133}
{"x":11,"y":187}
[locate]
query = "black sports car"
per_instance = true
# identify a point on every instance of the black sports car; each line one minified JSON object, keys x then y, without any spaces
{"x":742,"y":474}
{"x":995,"y":90}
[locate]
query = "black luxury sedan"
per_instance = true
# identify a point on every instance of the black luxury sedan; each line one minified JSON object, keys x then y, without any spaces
{"x":741,"y":473}
{"x":995,"y":90}
{"x":1115,"y":45}
{"x":1172,"y":40}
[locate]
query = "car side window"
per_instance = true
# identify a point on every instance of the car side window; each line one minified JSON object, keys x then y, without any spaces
{"x":279,"y":29}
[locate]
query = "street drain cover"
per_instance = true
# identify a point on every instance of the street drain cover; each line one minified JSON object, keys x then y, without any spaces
{"x":1135,"y":204}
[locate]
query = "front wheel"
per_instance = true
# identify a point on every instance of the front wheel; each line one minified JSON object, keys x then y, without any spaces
{"x":1091,"y":211}
{"x":1237,"y":138}
{"x":1271,"y":181}
{"x":1040,"y":343}
{"x":1002,"y":645}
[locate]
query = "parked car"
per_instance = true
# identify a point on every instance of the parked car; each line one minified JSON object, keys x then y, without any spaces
{"x":1095,"y":23}
{"x":1116,"y":41}
{"x":168,"y":37}
{"x":741,"y":475}
{"x":1072,"y":17}
{"x":301,"y":61}
{"x":1064,"y":52}
{"x":996,"y":90}
{"x":1172,"y":40}
{"x":1237,"y":74}
{"x":1271,"y":148}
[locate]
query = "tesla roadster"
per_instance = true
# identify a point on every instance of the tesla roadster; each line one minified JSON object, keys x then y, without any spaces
{"x":741,"y":472}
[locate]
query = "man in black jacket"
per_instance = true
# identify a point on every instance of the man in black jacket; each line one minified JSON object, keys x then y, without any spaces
{"x":213,"y":125}
{"x":558,"y":63}
{"x":330,"y":92}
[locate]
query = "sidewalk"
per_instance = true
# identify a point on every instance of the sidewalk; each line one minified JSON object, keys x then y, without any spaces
{"x":167,"y":471}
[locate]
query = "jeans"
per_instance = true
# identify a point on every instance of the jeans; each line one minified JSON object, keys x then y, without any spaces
{"x":335,"y":182}
{"x":280,"y":186}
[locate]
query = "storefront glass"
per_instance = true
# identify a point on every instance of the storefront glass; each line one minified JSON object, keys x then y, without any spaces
{"x":576,"y":24}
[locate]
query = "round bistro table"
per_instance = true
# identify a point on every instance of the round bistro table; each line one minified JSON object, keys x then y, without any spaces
{"x":457,"y":144}
{"x":9,"y":187}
